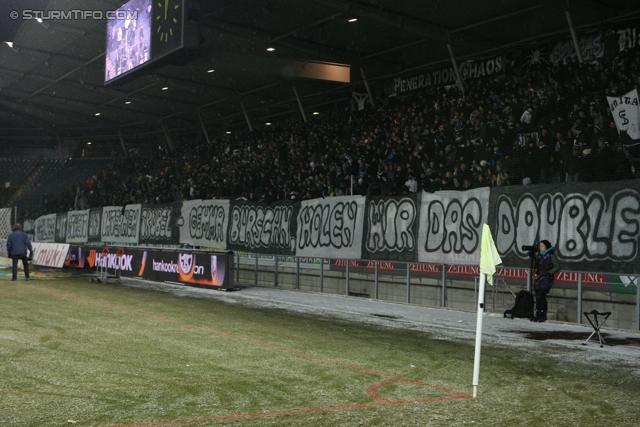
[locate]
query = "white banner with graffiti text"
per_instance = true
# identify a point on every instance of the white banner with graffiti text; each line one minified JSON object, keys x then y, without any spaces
{"x":331,"y":227}
{"x":592,"y":229}
{"x":45,"y":228}
{"x":77,"y":226}
{"x":203,"y":223}
{"x":450,"y":230}
{"x":120,"y":225}
{"x":626,"y":113}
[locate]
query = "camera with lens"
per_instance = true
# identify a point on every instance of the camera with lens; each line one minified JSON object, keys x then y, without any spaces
{"x":532,"y":248}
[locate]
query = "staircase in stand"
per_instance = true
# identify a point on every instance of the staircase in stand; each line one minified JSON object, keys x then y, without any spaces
{"x":25,"y":185}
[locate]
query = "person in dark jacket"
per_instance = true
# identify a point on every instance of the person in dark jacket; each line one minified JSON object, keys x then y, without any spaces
{"x":547,"y":266}
{"x":17,"y":245}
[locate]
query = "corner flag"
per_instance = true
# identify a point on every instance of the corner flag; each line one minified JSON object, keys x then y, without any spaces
{"x":489,"y":256}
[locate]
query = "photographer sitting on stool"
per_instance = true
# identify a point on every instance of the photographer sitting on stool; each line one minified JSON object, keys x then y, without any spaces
{"x":547,"y":266}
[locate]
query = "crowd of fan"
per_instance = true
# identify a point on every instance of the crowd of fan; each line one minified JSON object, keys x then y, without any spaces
{"x":432,"y":140}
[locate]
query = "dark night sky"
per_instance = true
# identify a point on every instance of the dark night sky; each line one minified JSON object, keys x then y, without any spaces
{"x":9,"y":27}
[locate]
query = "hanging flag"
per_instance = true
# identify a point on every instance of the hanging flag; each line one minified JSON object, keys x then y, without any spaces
{"x":626,"y":113}
{"x":489,"y":256}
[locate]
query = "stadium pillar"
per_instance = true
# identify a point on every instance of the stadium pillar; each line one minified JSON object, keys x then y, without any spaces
{"x":455,"y":68}
{"x":204,"y":129}
{"x":304,"y":116}
{"x":167,"y":137}
{"x":574,"y":36}
{"x":366,"y":84}
{"x":122,"y":143}
{"x":60,"y":153}
{"x":246,"y":116}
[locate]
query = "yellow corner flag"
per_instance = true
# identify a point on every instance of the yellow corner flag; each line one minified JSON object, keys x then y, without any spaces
{"x":489,"y":256}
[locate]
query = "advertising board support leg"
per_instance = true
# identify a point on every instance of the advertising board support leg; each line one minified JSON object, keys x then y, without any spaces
{"x":321,"y":275}
{"x":579,"y":298}
{"x":255,"y":270}
{"x":493,"y":295}
{"x":346,"y":283}
{"x":275,"y":272}
{"x":375,"y":280}
{"x":443,"y":302}
{"x":298,"y":273}
{"x":408,"y":284}
{"x":231,"y":286}
{"x":238,"y":269}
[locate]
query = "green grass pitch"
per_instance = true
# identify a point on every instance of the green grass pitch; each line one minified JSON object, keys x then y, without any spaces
{"x":87,"y":354}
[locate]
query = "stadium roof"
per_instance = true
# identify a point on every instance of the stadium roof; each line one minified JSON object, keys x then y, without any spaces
{"x":52,"y":74}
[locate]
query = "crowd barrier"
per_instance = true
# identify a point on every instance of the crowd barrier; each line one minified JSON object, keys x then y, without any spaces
{"x":444,"y":286}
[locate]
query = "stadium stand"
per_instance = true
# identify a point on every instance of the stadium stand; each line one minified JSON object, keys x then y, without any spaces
{"x":431,"y":140}
{"x":56,"y":183}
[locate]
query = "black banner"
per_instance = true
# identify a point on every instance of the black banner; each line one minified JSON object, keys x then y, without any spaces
{"x":158,"y":224}
{"x":591,"y":229}
{"x":95,"y":222}
{"x":391,"y":228}
{"x":61,"y":228}
{"x":210,"y":269}
{"x":264,"y":228}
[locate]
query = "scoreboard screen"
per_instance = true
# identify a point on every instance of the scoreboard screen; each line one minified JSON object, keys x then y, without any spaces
{"x":128,"y":39}
{"x":149,"y":30}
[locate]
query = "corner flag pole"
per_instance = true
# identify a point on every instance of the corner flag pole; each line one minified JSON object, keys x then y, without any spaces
{"x":476,"y":359}
{"x":489,"y":258}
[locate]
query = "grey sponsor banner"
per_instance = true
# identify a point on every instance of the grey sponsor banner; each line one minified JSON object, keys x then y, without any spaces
{"x":77,"y":226}
{"x":45,"y":229}
{"x":331,"y":227}
{"x":450,"y":230}
{"x":263,"y":228}
{"x":158,"y":224}
{"x":592,"y":227}
{"x":204,"y":223}
{"x":120,"y":224}
{"x":391,"y":228}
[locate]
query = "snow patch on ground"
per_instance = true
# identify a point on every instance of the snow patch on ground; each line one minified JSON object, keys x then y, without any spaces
{"x":441,"y":323}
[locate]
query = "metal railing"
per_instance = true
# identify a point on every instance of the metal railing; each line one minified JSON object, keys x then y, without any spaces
{"x":440,"y":286}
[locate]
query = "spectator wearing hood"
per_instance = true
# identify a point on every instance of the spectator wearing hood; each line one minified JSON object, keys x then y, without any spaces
{"x":545,"y":156}
{"x":603,"y":168}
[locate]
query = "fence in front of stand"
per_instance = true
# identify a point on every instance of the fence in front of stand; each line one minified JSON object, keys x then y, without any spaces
{"x":445,"y":286}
